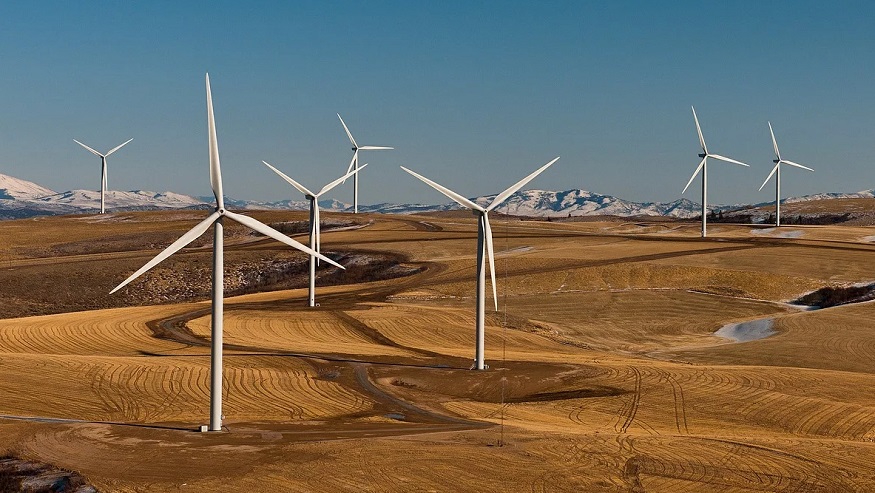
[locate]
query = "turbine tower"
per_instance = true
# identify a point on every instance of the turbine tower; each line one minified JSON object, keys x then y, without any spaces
{"x":484,"y":250}
{"x":703,"y":166}
{"x":354,"y":164}
{"x":215,"y":219}
{"x":777,"y":172}
{"x":102,"y":167}
{"x":315,"y":234}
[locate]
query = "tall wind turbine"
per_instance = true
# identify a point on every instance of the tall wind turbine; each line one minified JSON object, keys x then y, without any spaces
{"x":215,"y":219}
{"x":315,"y":234}
{"x":102,"y":167}
{"x":484,"y":250}
{"x":703,"y":166}
{"x":354,"y":164}
{"x":777,"y":172}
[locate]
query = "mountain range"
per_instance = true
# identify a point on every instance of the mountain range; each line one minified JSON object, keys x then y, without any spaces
{"x":20,"y":198}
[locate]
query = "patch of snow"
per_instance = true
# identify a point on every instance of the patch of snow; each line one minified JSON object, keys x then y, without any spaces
{"x":747,"y":331}
{"x":774,"y":233}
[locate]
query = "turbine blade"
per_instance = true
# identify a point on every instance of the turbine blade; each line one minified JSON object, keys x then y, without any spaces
{"x":276,"y":235}
{"x":774,"y":170}
{"x":118,"y":147}
{"x":694,"y":174}
{"x":215,"y":168}
{"x":301,"y":188}
{"x":375,"y":148}
{"x":724,"y":158}
{"x":516,"y":186}
{"x":340,"y":180}
{"x":699,"y":130}
{"x":90,"y":149}
{"x":791,"y":163}
{"x":774,"y":142}
{"x":174,"y":247}
{"x":446,"y":191}
{"x":348,"y":133}
{"x":491,"y":254}
{"x":355,"y":156}
{"x":318,"y":220}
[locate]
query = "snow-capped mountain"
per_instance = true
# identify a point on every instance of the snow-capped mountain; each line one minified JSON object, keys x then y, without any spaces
{"x":21,"y":198}
{"x":865,"y":194}
{"x":543,"y":203}
{"x":135,"y":199}
{"x":12,"y":188}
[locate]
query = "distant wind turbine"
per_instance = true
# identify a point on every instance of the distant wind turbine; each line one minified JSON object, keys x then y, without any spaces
{"x":703,"y":166}
{"x":777,"y":172}
{"x":484,"y":250}
{"x":102,"y":167}
{"x":354,"y":163}
{"x":215,"y":220}
{"x":315,"y":231}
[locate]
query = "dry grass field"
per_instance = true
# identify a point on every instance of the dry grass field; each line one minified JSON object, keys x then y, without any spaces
{"x":605,"y":373}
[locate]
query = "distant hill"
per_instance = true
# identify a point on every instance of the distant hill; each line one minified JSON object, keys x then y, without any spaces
{"x":21,"y":198}
{"x":12,"y":188}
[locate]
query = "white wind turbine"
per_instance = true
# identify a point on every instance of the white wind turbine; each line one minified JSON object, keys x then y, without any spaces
{"x":215,"y":219}
{"x":484,"y":250}
{"x":777,"y":172}
{"x":703,"y":166}
{"x":315,"y":231}
{"x":354,"y":163}
{"x":102,"y":167}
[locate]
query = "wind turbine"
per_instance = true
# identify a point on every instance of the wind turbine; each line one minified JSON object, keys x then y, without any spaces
{"x":215,"y":219}
{"x":484,"y":250}
{"x":315,"y":234}
{"x":703,"y":166}
{"x":354,"y":164}
{"x":777,"y":172}
{"x":102,"y":167}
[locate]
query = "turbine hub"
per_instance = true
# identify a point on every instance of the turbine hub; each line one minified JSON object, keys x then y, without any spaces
{"x":702,"y":155}
{"x":776,"y":161}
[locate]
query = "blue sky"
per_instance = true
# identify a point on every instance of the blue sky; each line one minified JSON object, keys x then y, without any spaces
{"x":472,"y":94}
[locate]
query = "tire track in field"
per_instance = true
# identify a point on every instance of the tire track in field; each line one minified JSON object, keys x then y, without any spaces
{"x":632,"y":408}
{"x":680,"y":409}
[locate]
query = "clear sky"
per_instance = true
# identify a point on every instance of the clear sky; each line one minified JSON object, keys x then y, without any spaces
{"x":472,"y":94}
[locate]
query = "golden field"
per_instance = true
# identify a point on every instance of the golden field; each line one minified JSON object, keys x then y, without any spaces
{"x":605,"y":374}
